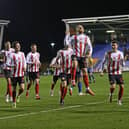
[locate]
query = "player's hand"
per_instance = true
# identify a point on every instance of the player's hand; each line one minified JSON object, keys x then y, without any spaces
{"x":24,"y":69}
{"x":39,"y":64}
{"x":67,"y":32}
{"x":58,"y":66}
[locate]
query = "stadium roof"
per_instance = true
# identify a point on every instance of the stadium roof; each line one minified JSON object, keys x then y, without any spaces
{"x":117,"y":22}
{"x":2,"y":24}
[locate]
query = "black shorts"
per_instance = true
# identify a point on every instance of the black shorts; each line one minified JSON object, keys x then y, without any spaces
{"x":65,"y":77}
{"x":118,"y":79}
{"x":18,"y":80}
{"x":33,"y":75}
{"x":82,"y":62}
{"x":7,"y":73}
{"x":55,"y":78}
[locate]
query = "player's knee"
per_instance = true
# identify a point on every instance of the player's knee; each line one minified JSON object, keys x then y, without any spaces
{"x":37,"y":81}
{"x":22,"y":89}
{"x":9,"y":81}
{"x":121,"y":85}
{"x":64,"y":83}
{"x":74,"y":64}
{"x":113,"y":85}
{"x":53,"y":83}
{"x":85,"y":73}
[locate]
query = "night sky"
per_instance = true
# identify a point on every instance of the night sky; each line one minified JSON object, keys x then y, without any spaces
{"x":39,"y":21}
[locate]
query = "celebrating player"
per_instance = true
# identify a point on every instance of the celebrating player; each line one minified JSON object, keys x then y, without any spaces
{"x":114,"y":62}
{"x":18,"y":64}
{"x":33,"y":65}
{"x":82,"y":48}
{"x":7,"y":69}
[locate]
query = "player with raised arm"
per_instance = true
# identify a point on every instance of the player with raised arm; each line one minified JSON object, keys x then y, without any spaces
{"x":113,"y":62}
{"x":18,"y":63}
{"x":82,"y":48}
{"x":7,"y":69}
{"x":33,"y":65}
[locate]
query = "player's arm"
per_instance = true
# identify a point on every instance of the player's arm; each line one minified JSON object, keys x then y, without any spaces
{"x":67,"y":34}
{"x":39,"y":63}
{"x":103,"y":66}
{"x":68,"y":40}
{"x":2,"y":57}
{"x":28,"y":59}
{"x":24,"y":61}
{"x":67,"y":31}
{"x":10,"y":62}
{"x":55,"y":66}
{"x":54,"y":63}
{"x":90,"y":48}
{"x":122,"y":60}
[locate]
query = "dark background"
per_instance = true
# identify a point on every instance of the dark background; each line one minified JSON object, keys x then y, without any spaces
{"x":39,"y":21}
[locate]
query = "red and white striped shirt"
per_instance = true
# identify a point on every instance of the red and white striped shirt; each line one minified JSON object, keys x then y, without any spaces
{"x":65,"y":57}
{"x":56,"y":70}
{"x":114,"y":61}
{"x":80,"y":43}
{"x":18,"y":62}
{"x":33,"y":62}
{"x":7,"y":55}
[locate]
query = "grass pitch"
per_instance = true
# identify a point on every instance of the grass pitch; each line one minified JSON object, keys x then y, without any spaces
{"x":79,"y":112}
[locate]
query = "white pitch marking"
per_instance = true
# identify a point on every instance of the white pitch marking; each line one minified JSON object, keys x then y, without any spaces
{"x":56,"y":109}
{"x":35,"y":113}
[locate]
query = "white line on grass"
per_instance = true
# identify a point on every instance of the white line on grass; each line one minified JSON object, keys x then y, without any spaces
{"x":56,"y":109}
{"x":35,"y":113}
{"x":50,"y":110}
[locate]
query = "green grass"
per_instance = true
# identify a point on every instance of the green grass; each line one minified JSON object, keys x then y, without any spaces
{"x":79,"y":112}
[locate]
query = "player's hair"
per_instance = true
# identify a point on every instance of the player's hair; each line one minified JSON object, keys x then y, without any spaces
{"x":7,"y":42}
{"x":14,"y":43}
{"x":33,"y":44}
{"x":114,"y":41}
{"x":78,"y":27}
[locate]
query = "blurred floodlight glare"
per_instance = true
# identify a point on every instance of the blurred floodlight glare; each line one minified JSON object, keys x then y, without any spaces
{"x":52,"y":44}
